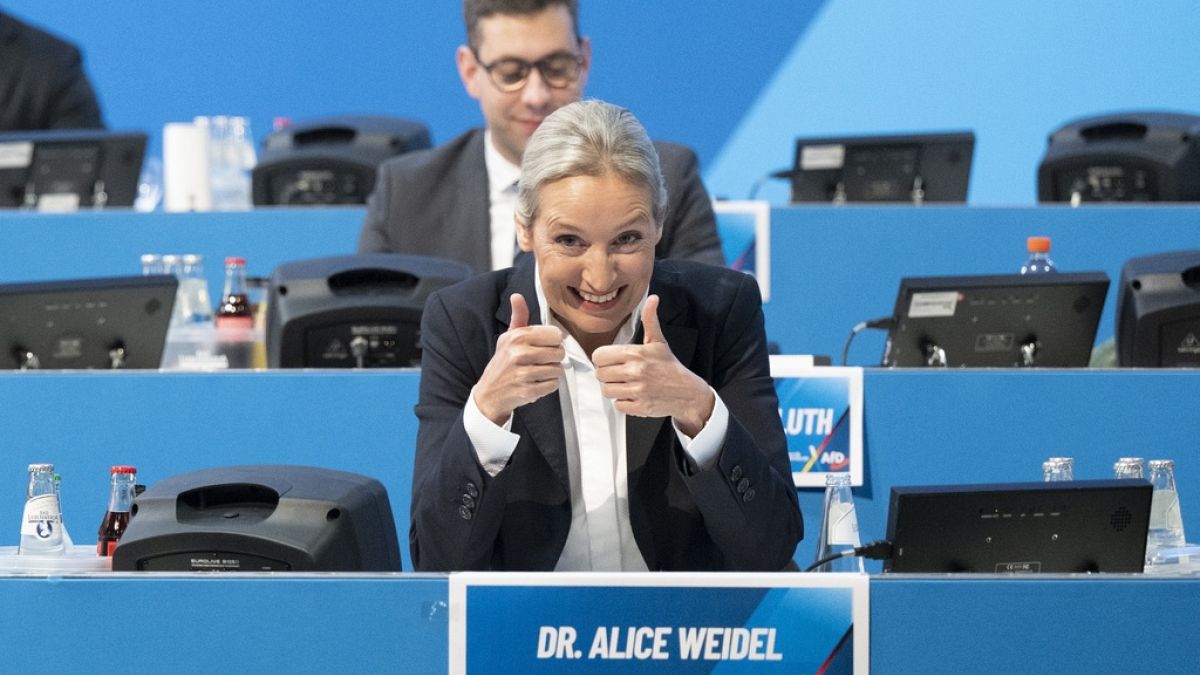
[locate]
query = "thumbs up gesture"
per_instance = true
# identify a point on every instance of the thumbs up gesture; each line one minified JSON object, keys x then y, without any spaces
{"x":647,"y":380}
{"x":526,"y":366}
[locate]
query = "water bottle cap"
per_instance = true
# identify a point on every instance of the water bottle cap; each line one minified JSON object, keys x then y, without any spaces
{"x":192,"y":258}
{"x":122,"y":468}
{"x":235,"y":261}
{"x":40,"y":467}
{"x":1162,"y":464}
{"x":1038,"y":244}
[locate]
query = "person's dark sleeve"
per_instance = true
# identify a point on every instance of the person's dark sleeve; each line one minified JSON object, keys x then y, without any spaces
{"x":72,"y":101}
{"x":374,"y":235}
{"x":690,"y":217}
{"x":457,"y":507}
{"x":747,"y":496}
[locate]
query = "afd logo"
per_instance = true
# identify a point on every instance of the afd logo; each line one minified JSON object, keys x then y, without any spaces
{"x":811,"y":433}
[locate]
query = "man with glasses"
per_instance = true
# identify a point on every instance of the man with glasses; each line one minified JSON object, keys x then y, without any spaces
{"x":524,"y":60}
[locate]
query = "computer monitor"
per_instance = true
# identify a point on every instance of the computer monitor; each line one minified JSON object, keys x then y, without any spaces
{"x":907,"y":168}
{"x":117,"y":322}
{"x":70,"y":169}
{"x":1064,"y":526}
{"x":996,"y":321}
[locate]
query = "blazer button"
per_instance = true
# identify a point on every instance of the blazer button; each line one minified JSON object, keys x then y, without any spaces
{"x":464,"y":513}
{"x":472,"y":490}
{"x":468,"y":502}
{"x":736,"y":473}
{"x":748,"y":495}
{"x":742,"y":485}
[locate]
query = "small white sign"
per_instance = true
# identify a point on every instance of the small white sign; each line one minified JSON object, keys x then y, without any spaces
{"x":817,"y":157}
{"x":927,"y":305}
{"x":17,"y":155}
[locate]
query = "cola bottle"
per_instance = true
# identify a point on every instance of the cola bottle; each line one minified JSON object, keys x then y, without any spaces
{"x":234,"y":319}
{"x":120,"y":502}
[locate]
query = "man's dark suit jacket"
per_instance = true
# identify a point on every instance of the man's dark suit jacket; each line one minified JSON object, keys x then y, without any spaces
{"x":435,"y":202}
{"x":42,"y":84}
{"x":739,"y":514}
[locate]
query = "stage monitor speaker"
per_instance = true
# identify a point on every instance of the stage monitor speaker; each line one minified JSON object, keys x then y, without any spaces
{"x":360,"y":311}
{"x":1158,"y":311}
{"x":261,"y":518}
{"x":331,"y":160}
{"x":1127,"y":157}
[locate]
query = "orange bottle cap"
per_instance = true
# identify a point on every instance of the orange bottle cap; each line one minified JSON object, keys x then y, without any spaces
{"x":1038,"y":244}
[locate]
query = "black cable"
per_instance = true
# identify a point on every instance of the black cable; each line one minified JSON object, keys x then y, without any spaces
{"x":876,"y":550}
{"x":884,"y":322}
{"x":774,"y":175}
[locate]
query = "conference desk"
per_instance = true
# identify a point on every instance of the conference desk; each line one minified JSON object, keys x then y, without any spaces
{"x":400,"y":623}
{"x":920,"y":427}
{"x":831,"y":267}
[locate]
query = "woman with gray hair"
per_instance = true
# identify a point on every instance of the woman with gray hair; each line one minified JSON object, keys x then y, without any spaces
{"x":591,"y":408}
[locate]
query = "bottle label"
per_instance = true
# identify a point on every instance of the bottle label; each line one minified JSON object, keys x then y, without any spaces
{"x":843,"y":525}
{"x":42,"y":520}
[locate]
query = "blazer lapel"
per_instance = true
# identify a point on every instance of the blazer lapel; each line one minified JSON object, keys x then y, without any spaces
{"x":542,"y":419}
{"x":472,"y":208}
{"x":641,"y":432}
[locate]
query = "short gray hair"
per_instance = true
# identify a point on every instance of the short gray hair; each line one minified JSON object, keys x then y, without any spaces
{"x":589,"y":138}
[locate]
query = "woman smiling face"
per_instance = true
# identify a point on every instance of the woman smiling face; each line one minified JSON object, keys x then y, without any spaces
{"x":593,"y":239}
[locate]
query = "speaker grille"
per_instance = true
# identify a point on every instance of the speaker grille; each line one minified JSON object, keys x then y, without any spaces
{"x":1121,"y":519}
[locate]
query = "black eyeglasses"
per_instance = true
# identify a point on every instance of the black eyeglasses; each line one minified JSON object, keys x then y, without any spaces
{"x":558,"y":70}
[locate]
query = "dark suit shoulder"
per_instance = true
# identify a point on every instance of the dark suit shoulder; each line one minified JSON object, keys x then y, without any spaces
{"x":701,"y":281}
{"x":432,"y":164}
{"x":31,"y":43}
{"x":479,"y":294}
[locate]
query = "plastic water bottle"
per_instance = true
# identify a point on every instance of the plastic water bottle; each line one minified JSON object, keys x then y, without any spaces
{"x":231,"y":157}
{"x":1166,"y":521}
{"x":1058,"y":469}
{"x":41,"y":522}
{"x":1039,"y":260}
{"x":196,"y":303}
{"x":839,"y":526}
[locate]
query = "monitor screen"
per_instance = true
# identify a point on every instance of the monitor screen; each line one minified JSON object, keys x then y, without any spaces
{"x":1065,"y":526}
{"x":996,"y":321}
{"x":118,"y":322}
{"x":69,"y":169}
{"x":909,"y":168}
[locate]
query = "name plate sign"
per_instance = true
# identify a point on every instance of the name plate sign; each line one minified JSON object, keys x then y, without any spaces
{"x":661,"y":622}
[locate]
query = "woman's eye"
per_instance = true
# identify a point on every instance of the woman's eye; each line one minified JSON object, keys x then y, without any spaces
{"x":628,"y":239}
{"x":568,"y":241}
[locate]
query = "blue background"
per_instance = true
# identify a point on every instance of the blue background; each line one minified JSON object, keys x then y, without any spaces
{"x":738,"y":81}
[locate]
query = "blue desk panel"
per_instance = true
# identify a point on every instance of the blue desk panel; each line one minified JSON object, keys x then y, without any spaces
{"x":1123,"y":624}
{"x":921,"y":427}
{"x":109,"y":243}
{"x":222,"y":624}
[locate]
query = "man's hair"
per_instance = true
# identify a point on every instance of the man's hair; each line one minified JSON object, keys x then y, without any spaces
{"x":474,"y":10}
{"x":589,"y":138}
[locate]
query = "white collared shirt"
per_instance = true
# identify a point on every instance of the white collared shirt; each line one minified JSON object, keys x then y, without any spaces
{"x":502,"y":198}
{"x":601,"y":535}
